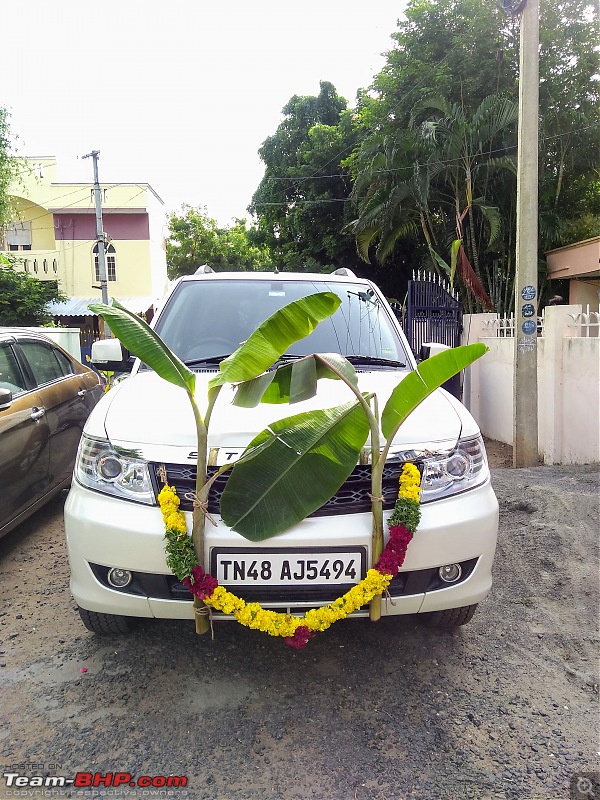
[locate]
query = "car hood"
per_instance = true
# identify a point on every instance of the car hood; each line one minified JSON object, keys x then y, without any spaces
{"x":145,"y":411}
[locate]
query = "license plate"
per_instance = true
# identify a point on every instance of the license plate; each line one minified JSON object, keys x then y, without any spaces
{"x":319,"y":566}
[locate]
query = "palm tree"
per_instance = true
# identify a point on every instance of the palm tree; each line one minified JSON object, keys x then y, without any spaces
{"x":391,"y":190}
{"x":464,"y":156}
{"x":435,"y":178}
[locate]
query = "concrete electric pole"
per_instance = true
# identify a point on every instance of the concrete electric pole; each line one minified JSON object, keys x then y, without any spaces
{"x":525,"y":430}
{"x":100,"y":233}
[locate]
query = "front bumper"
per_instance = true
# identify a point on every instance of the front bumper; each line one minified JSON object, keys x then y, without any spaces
{"x":107,"y":531}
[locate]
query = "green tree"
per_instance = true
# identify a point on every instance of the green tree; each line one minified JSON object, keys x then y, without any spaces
{"x":8,"y":168}
{"x":569,"y":161}
{"x":465,"y":51}
{"x":196,"y":239}
{"x":301,"y":201}
{"x":23,"y":298}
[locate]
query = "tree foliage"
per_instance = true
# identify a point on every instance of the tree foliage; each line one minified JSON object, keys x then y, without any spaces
{"x":23,"y":298}
{"x":436,"y":163}
{"x":427,"y":156}
{"x":8,"y":167}
{"x":301,"y":201}
{"x":196,"y":239}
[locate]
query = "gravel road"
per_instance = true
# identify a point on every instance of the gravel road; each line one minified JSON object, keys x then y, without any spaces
{"x":505,"y":708}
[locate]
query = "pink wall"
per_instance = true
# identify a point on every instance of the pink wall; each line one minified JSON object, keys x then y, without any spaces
{"x":82,"y":227}
{"x":581,"y":258}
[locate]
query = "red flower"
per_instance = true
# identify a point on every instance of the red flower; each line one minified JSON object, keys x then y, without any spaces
{"x":201,"y":583}
{"x":394,"y":553}
{"x":300,"y":638}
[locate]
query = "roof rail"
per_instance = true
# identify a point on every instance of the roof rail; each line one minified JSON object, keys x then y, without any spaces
{"x":345,"y":272}
{"x":203,"y":270}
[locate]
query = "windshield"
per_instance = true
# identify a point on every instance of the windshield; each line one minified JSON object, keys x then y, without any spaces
{"x":207,"y":319}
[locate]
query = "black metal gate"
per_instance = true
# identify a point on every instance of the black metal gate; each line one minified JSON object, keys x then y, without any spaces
{"x":433,"y":314}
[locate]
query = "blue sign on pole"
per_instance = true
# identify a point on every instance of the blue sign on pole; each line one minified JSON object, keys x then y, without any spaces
{"x":529,"y":326}
{"x":528,"y":310}
{"x":528,"y":292}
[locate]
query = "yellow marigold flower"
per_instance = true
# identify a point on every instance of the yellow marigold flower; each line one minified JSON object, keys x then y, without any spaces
{"x":410,"y":482}
{"x":168,"y":495}
{"x":176,"y":522}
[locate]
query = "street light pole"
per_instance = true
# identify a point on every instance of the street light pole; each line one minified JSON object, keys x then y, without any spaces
{"x":525,"y":430}
{"x":100,"y":234}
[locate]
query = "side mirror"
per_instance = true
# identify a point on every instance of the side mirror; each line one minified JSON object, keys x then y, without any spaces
{"x":109,"y":355}
{"x":5,"y":399}
{"x":429,"y":349}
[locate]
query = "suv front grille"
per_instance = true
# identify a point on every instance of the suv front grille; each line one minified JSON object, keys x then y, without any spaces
{"x":353,"y":496}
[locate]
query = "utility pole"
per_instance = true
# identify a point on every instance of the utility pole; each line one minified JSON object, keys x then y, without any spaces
{"x":525,"y":406}
{"x":100,"y":234}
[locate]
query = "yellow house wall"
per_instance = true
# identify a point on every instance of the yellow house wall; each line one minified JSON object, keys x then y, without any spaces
{"x":77,"y":276}
{"x":42,"y":223}
{"x":141,"y":264}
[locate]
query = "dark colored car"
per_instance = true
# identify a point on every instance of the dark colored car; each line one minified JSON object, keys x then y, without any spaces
{"x":45,"y":399}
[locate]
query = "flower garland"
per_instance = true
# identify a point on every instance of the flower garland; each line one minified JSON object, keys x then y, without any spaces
{"x":181,"y":559}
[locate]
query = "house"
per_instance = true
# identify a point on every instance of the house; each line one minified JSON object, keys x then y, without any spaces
{"x":579,"y":263}
{"x":53,"y":236}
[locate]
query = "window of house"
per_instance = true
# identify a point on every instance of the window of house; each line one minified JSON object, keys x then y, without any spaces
{"x":18,"y":235}
{"x":110,"y":257}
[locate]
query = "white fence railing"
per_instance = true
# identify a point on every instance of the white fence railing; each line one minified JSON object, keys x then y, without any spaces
{"x":588,"y":322}
{"x":504,"y":327}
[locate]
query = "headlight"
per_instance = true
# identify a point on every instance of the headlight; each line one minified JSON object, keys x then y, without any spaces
{"x":107,"y":469}
{"x":464,"y":468}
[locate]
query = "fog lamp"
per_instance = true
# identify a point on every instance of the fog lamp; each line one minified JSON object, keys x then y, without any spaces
{"x":450,"y":573}
{"x":119,"y":578}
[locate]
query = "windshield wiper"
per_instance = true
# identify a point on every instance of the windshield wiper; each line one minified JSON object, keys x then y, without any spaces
{"x":194,"y":362}
{"x":383,"y":362}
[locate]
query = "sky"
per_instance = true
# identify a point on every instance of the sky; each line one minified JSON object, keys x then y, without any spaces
{"x":179,"y":94}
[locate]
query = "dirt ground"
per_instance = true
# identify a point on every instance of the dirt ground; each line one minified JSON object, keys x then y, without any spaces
{"x":499,"y":454}
{"x":503,"y":709}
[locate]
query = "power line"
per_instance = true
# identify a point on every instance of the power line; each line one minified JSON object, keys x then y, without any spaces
{"x":411,"y":167}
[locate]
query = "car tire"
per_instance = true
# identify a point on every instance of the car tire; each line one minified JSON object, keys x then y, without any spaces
{"x":449,"y":617}
{"x":105,"y":623}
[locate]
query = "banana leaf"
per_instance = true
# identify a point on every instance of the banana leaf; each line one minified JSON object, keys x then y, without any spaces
{"x":273,"y":337}
{"x":294,"y":382}
{"x":141,"y":340}
{"x":303,"y":462}
{"x":428,"y":377}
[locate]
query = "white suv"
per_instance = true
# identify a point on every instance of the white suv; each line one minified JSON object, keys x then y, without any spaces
{"x":114,"y":527}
